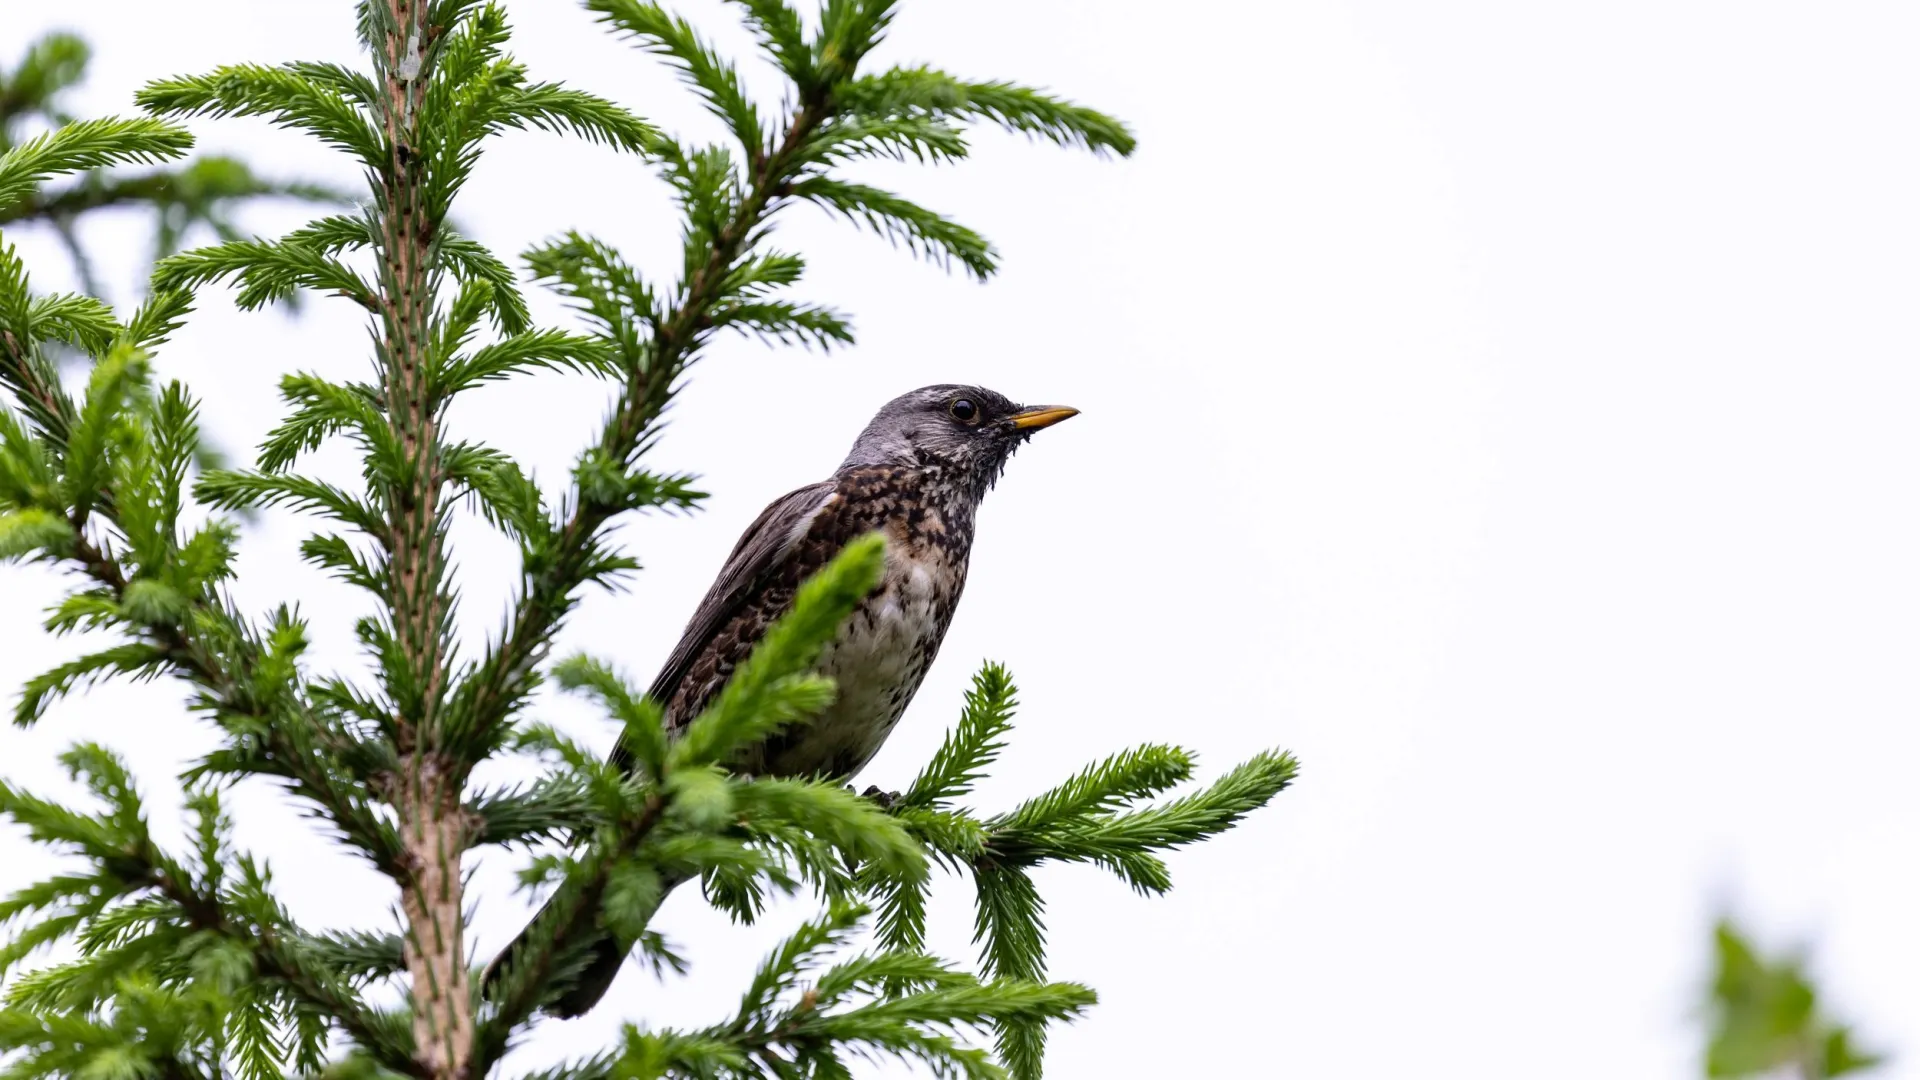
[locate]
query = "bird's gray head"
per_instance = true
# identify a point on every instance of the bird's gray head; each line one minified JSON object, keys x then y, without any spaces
{"x":967,"y":432}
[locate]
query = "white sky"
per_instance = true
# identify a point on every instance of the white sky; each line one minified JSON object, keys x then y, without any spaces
{"x":1506,"y":406}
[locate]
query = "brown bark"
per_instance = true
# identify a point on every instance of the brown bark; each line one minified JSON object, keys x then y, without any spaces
{"x":434,"y":833}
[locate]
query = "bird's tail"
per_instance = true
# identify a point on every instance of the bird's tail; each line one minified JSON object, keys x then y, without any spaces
{"x":588,"y":960}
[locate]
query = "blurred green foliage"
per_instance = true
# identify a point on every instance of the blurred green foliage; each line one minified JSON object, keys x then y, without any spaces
{"x":202,"y":192}
{"x":1766,"y":1017}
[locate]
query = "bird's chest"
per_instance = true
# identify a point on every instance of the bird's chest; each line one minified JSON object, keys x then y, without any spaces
{"x":879,"y":658}
{"x":887,"y":642}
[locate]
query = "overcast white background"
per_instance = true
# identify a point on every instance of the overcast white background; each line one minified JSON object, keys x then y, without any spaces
{"x":1507,"y":407}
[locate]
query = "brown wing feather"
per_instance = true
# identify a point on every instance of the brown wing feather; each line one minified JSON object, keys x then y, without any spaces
{"x":766,"y":544}
{"x":763,"y":549}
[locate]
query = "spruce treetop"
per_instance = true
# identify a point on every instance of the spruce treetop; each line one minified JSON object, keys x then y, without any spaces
{"x":183,"y":961}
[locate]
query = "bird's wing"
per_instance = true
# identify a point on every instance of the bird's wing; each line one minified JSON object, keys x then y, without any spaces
{"x":766,"y":544}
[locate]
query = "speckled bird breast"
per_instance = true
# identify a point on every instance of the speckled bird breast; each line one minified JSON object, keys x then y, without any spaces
{"x":885,"y":647}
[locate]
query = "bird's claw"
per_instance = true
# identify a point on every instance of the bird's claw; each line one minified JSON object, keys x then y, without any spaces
{"x":885,"y":800}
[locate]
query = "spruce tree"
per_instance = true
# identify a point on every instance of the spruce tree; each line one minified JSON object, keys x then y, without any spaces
{"x":185,"y":962}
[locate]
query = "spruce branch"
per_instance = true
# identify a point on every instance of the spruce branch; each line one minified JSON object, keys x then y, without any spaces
{"x":550,"y":955}
{"x":902,"y":221}
{"x":289,"y":95}
{"x":923,"y":92}
{"x":119,"y":459}
{"x":25,"y":370}
{"x":138,"y":902}
{"x":204,"y":191}
{"x":83,"y":145}
{"x":712,"y":77}
{"x":802,"y":1016}
{"x":781,"y":33}
{"x":265,"y":272}
{"x":190,"y":192}
{"x":968,"y":749}
{"x":773,"y":688}
{"x":1092,"y":817}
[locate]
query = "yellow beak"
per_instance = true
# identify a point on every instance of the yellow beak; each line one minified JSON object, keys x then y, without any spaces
{"x":1041,"y":416}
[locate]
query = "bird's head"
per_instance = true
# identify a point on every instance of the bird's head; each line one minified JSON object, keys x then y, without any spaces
{"x":968,"y":432}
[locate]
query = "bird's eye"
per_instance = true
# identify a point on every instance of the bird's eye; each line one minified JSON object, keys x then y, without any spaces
{"x":964,"y":410}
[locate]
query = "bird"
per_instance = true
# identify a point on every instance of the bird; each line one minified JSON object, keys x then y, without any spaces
{"x":917,"y":474}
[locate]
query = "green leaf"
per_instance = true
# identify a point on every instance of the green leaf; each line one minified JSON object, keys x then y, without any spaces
{"x":761,"y":274}
{"x":323,"y":408}
{"x":1839,"y":1055}
{"x":1009,"y":928}
{"x":899,"y":1004}
{"x":155,"y":320}
{"x":602,"y":482}
{"x":603,"y":286}
{"x":782,"y":968}
{"x":27,"y":468}
{"x":53,"y":64}
{"x":642,"y":728}
{"x":346,"y":82}
{"x":512,"y":502}
{"x":1008,"y":924}
{"x":338,"y":233}
{"x":207,"y":556}
{"x":903,"y":138}
{"x":336,"y":554}
{"x":700,"y":796}
{"x":1244,"y":789}
{"x":653,"y":1055}
{"x":546,"y":811}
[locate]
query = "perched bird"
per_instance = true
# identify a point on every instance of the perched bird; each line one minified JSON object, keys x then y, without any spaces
{"x":917,"y":474}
